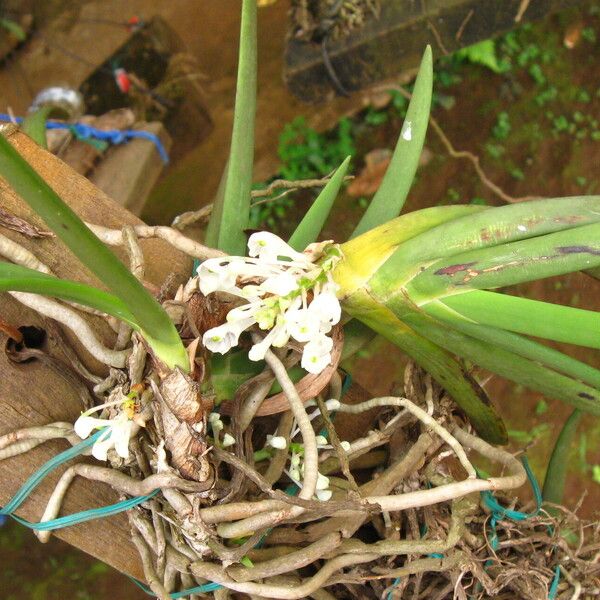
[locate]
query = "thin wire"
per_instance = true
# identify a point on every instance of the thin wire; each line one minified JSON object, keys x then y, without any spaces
{"x":114,"y":136}
{"x":35,"y":479}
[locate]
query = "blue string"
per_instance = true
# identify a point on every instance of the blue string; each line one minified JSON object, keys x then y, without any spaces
{"x":80,"y":517}
{"x":44,"y":470}
{"x":86,"y":515}
{"x":200,"y":589}
{"x":388,"y":596}
{"x":113,"y":136}
{"x":554,"y":585}
{"x":499,"y":512}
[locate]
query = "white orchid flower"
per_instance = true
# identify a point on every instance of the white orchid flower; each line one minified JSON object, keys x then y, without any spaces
{"x":276,"y":441}
{"x":214,"y":275}
{"x":276,"y":280}
{"x":326,"y":307}
{"x":280,"y":285}
{"x":316,"y":354}
{"x":117,"y":434}
{"x":321,"y":441}
{"x":324,"y":495}
{"x":269,"y":247}
{"x":223,"y":338}
{"x":277,"y":334}
{"x":228,"y":440}
{"x":302,"y":324}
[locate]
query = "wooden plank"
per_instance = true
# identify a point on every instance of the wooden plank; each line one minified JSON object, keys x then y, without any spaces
{"x":49,"y":54}
{"x":129,"y":171}
{"x":80,"y":155}
{"x":394,"y":43}
{"x":32,"y":394}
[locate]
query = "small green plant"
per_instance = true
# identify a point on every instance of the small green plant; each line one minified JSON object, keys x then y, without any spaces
{"x":589,"y":35}
{"x":527,"y":437}
{"x":306,"y":154}
{"x":375,"y":117}
{"x":502,"y":128}
{"x":484,"y":54}
{"x":537,"y":74}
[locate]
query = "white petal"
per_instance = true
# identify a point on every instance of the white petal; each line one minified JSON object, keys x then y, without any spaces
{"x":277,"y":441}
{"x":321,"y":440}
{"x":228,"y":440}
{"x":267,"y":246}
{"x":214,"y":275}
{"x":326,"y":307}
{"x":324,"y":495}
{"x":85,"y":425}
{"x":102,"y":446}
{"x":280,"y":285}
{"x":258,"y":351}
{"x":314,"y":362}
{"x":345,"y":446}
{"x":302,"y":324}
{"x":121,"y":434}
{"x":322,"y":482}
{"x":221,"y":339}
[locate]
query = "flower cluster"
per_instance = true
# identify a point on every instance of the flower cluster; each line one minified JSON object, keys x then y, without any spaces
{"x":216,"y":424}
{"x":296,"y":457}
{"x":117,"y":431}
{"x":288,"y":294}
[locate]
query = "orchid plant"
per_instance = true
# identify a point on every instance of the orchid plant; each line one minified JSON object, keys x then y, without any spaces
{"x":423,"y":280}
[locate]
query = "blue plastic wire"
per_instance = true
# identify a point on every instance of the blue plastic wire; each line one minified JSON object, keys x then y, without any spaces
{"x":499,"y":512}
{"x":86,"y":515}
{"x":43,"y":471}
{"x":200,"y":589}
{"x":554,"y":585}
{"x":80,"y":517}
{"x":113,"y":136}
{"x":388,"y":596}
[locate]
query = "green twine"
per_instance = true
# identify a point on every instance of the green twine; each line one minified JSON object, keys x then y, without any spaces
{"x":80,"y":517}
{"x":499,"y":512}
{"x":554,"y":585}
{"x":200,"y":589}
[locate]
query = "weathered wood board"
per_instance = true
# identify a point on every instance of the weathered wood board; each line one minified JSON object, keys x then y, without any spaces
{"x":33,"y":394}
{"x":394,"y":43}
{"x":128,"y":172}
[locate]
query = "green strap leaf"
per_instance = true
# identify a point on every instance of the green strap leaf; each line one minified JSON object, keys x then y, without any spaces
{"x":364,"y":255}
{"x":356,"y":336}
{"x":391,"y":195}
{"x":556,"y":253}
{"x":216,"y":216}
{"x":14,"y":278}
{"x":34,"y":125}
{"x":532,"y":317}
{"x":523,"y":346}
{"x":309,"y":228}
{"x":556,"y":474}
{"x":229,"y":219}
{"x":489,"y":228}
{"x":152,"y":319}
{"x":507,"y":364}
